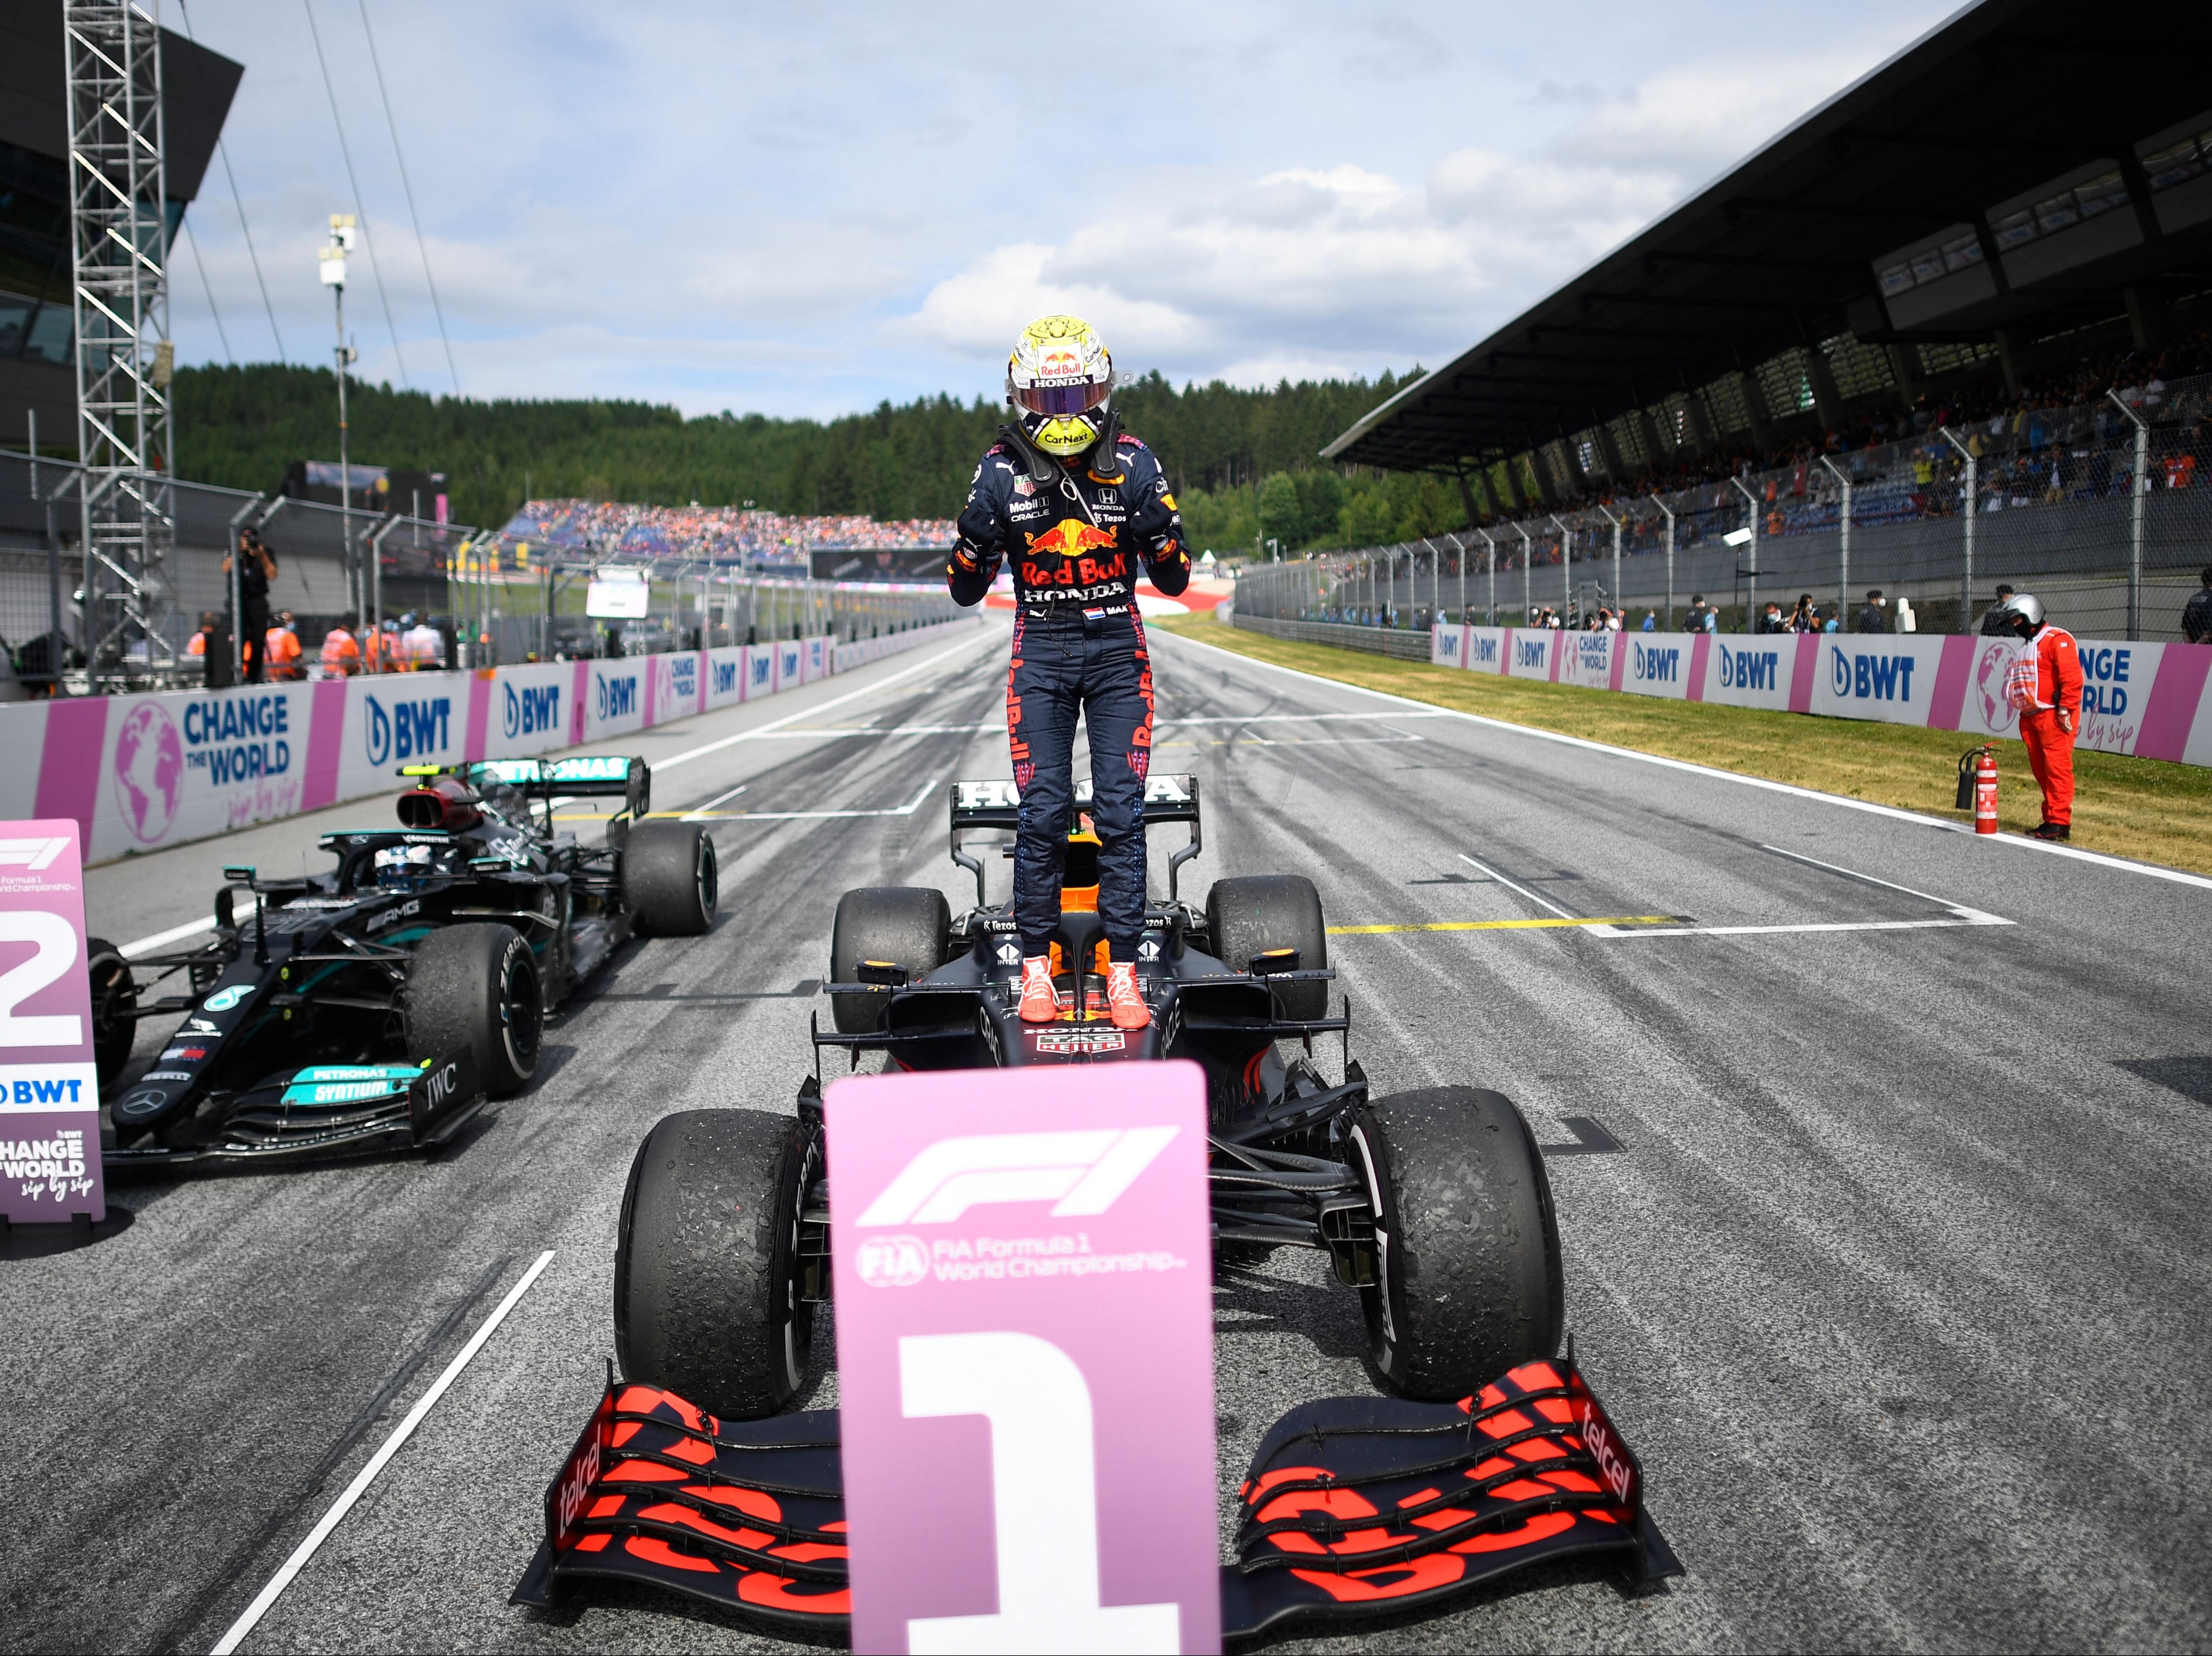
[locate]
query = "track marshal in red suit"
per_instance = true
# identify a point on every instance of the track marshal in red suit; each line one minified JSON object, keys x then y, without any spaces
{"x":1077,"y":507}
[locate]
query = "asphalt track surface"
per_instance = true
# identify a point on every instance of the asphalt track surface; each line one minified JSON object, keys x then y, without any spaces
{"x":1895,"y":1278}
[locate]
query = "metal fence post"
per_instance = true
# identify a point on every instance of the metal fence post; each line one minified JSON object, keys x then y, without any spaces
{"x":1527,"y":576}
{"x":1490,"y":610}
{"x":1966,"y":503}
{"x":1670,"y":516}
{"x":2140,"y":490}
{"x":1751,"y":598}
{"x":1458,"y":566}
{"x":1619,"y":608}
{"x":1567,"y":569}
{"x":1844,"y":542}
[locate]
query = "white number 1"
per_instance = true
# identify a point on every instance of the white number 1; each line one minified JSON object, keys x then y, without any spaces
{"x":1045,"y":1499}
{"x":55,"y":938}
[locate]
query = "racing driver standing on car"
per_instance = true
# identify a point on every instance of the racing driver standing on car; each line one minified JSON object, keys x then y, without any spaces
{"x":1074,"y":505}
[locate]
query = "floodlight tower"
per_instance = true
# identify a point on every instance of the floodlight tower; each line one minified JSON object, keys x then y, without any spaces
{"x":334,"y":275}
{"x":119,"y":260}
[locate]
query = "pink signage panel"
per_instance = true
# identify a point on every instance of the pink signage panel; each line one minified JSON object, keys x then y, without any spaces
{"x":1026,"y":1358}
{"x":49,"y":1087}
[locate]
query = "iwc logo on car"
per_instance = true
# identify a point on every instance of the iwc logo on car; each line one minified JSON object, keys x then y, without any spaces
{"x":894,"y":1261}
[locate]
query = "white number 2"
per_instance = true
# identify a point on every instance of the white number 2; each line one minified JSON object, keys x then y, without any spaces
{"x":1045,"y":1499}
{"x":55,"y":939}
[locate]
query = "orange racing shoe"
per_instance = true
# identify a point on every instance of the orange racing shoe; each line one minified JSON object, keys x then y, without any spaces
{"x":1123,"y":999}
{"x":1040,"y":1004}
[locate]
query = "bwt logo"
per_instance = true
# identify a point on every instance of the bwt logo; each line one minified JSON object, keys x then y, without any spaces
{"x":761,"y":666}
{"x":726,"y":677}
{"x":2104,"y":681}
{"x":1530,"y":652}
{"x":1872,"y":678}
{"x":1447,"y":644}
{"x":616,"y":698}
{"x":1483,"y":650}
{"x":1082,"y":1173}
{"x":1749,"y":669}
{"x":1655,"y":666}
{"x":409,"y":729}
{"x":530,"y":710}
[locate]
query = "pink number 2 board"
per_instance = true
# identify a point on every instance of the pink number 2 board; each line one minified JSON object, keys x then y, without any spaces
{"x":1026,"y":1358}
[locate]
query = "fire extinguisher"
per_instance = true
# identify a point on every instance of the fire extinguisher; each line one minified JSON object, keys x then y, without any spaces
{"x":1978,"y":787}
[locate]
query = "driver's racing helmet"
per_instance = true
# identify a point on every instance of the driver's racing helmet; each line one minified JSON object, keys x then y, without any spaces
{"x":403,"y":868}
{"x":2025,"y":611}
{"x":1060,"y":380}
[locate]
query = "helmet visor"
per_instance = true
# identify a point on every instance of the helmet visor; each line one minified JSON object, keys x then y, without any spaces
{"x":1059,"y":401}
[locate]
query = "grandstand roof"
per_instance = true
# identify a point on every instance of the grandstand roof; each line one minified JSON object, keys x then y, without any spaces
{"x":1955,"y":143}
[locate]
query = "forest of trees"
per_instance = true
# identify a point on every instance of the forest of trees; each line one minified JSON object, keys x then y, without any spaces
{"x":1245,"y":463}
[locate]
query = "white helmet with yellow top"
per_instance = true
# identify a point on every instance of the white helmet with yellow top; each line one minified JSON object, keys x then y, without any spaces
{"x":1060,"y":380}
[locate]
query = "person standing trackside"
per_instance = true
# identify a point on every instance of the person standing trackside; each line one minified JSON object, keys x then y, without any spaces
{"x":1996,"y":620}
{"x":2045,"y":683}
{"x":1875,"y":618}
{"x":2196,"y":614}
{"x":257,"y":567}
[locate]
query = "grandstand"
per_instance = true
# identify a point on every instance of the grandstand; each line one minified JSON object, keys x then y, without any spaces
{"x":1943,"y":295}
{"x":721,"y":535}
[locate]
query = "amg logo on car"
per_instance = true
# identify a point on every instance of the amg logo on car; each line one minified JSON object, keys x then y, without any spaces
{"x":378,"y":922}
{"x":1083,"y":1172}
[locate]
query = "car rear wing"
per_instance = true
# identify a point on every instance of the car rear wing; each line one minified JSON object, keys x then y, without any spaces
{"x":588,"y":776}
{"x":996,"y":803}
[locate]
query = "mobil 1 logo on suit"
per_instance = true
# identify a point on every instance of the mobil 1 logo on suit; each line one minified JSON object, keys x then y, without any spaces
{"x":1025,"y":1353}
{"x":49,"y":1081}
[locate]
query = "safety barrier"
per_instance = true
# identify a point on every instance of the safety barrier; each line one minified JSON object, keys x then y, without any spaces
{"x":2151,"y":701}
{"x":139,"y":772}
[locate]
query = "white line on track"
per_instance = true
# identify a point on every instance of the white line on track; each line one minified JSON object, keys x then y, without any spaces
{"x":907,"y":809}
{"x":2020,"y":841}
{"x":253,"y":1612}
{"x":1541,"y":902}
{"x":130,"y":951}
{"x":693,"y":815}
{"x":1959,"y":913}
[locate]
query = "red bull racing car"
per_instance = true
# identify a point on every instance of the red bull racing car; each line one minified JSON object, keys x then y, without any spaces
{"x":377,"y":1007}
{"x":1432,"y":1205}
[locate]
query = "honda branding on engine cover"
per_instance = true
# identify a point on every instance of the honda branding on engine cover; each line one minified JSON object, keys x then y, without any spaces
{"x":1026,"y":1364}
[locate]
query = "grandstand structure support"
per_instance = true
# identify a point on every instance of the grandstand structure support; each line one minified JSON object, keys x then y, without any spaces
{"x":1618,"y":590}
{"x":1528,"y":575}
{"x":1751,"y":514}
{"x":118,"y":263}
{"x":1843,"y":547}
{"x":1969,"y":497}
{"x":1490,"y":611}
{"x":1459,"y":563}
{"x":2140,"y":489}
{"x":1667,"y":512}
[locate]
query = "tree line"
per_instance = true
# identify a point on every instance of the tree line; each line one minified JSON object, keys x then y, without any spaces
{"x":1244,"y":462}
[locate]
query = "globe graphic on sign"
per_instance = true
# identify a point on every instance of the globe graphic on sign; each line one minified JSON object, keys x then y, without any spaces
{"x":1998,"y":711}
{"x":149,"y":771}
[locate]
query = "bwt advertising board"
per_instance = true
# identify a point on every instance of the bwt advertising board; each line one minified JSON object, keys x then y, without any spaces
{"x":49,"y":1086}
{"x":1025,"y":1359}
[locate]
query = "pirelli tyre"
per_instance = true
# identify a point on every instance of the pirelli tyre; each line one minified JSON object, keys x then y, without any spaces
{"x":1466,"y":1243}
{"x":669,"y":878}
{"x":706,"y":1260}
{"x":114,"y":998}
{"x":477,"y":986}
{"x":905,"y":925}
{"x":1257,"y":913}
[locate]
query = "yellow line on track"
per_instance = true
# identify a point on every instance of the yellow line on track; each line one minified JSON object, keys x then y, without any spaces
{"x":1500,"y":926}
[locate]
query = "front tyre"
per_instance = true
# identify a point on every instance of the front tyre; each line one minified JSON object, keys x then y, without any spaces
{"x":905,"y":925}
{"x":1255,"y":912}
{"x":114,"y":998}
{"x":1467,"y":1240}
{"x":706,"y":1261}
{"x":476,"y":987}
{"x":669,"y":878}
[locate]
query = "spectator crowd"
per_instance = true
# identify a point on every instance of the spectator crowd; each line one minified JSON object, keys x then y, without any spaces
{"x":724,"y":534}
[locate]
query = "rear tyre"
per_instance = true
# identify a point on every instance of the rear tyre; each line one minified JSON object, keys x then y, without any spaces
{"x":114,"y":997}
{"x":905,"y":924}
{"x":1260,"y":912}
{"x":476,"y":987}
{"x":1467,"y":1242}
{"x":669,"y":878}
{"x":706,"y":1263}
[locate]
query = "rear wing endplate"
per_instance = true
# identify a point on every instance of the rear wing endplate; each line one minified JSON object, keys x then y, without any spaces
{"x":996,"y":803}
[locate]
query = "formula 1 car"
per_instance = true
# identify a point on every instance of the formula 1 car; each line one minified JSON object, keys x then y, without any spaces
{"x":379,"y":1006}
{"x":1432,"y":1205}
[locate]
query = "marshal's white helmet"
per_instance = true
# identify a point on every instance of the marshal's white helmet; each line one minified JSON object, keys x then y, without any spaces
{"x":2026,"y":610}
{"x":1060,"y":380}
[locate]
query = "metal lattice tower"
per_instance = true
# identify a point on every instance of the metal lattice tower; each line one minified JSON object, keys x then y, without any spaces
{"x":119,"y":249}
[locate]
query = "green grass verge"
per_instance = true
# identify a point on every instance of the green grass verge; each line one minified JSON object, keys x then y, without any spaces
{"x":2145,"y":809}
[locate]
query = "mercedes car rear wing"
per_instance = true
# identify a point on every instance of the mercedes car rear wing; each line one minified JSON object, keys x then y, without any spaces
{"x":994,"y":803}
{"x":592,"y":776}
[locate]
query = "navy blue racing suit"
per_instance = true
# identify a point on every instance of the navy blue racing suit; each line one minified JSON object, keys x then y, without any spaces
{"x":1078,"y":647}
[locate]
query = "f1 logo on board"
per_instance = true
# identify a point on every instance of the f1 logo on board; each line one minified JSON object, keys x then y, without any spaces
{"x":1083,"y":1172}
{"x":33,"y":854}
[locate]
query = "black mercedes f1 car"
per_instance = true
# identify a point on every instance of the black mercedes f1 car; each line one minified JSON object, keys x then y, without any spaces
{"x":379,"y":1005}
{"x":1432,"y":1205}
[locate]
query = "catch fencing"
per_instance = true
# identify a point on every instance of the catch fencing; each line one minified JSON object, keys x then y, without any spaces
{"x":138,"y":772}
{"x":2103,"y":509}
{"x":492,"y":598}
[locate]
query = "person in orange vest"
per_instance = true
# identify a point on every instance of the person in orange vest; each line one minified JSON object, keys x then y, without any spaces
{"x":2045,"y":683}
{"x":282,"y":647}
{"x":341,"y":655}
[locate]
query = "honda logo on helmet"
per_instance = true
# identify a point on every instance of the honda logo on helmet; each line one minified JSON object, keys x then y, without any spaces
{"x":1082,"y":1173}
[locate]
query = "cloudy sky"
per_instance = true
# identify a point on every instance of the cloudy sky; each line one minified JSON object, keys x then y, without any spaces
{"x":806,"y":209}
